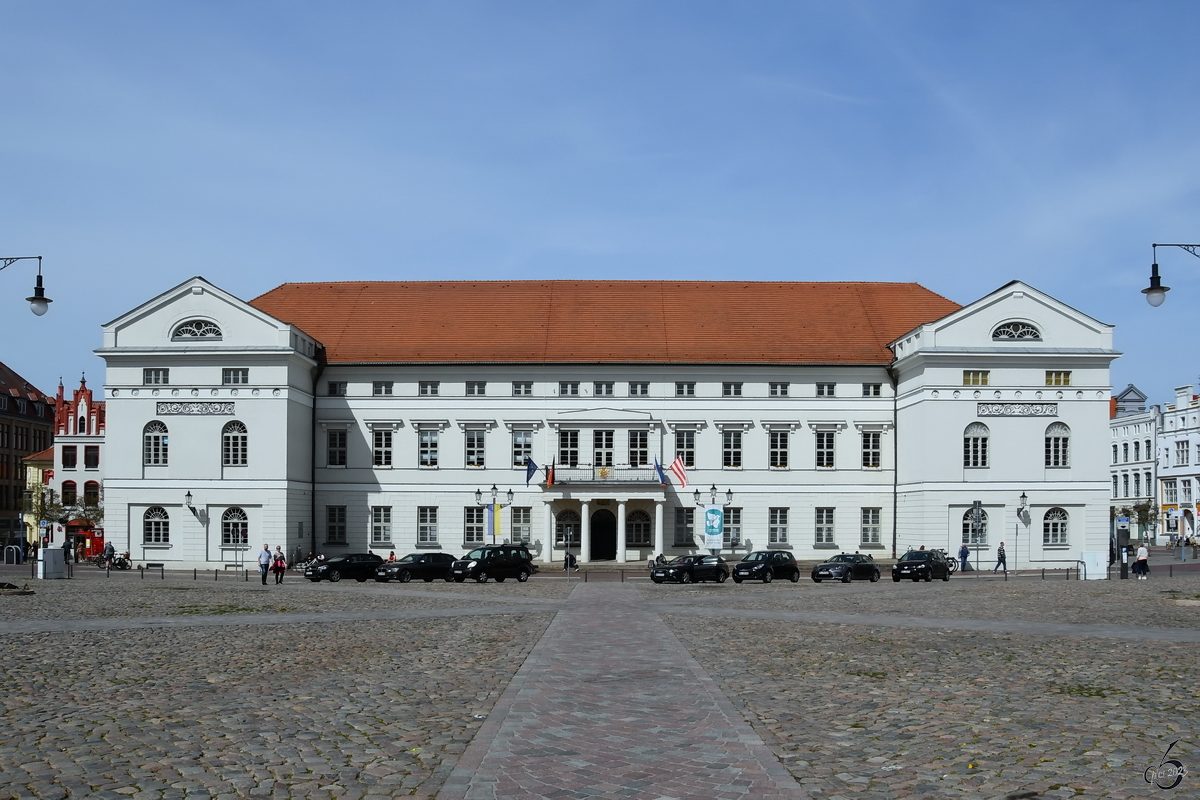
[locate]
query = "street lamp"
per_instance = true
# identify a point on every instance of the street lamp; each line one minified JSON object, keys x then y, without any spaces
{"x":38,"y":303}
{"x":1156,"y":293}
{"x":494,"y":503}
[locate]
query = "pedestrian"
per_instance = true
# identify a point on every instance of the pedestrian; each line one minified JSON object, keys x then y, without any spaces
{"x":1141,"y":564}
{"x":569,"y":562}
{"x":392,"y":556}
{"x":1001,"y":559}
{"x":264,"y":562}
{"x":279,"y":567}
{"x":964,"y":553}
{"x":67,"y":550}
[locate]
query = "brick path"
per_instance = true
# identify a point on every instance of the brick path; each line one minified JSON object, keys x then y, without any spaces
{"x":594,"y":711}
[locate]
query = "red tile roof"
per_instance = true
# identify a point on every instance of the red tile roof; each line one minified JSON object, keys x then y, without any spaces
{"x":14,"y":385}
{"x":561,"y":322}
{"x":41,"y":455}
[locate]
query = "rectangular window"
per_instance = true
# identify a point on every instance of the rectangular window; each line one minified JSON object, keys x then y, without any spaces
{"x":235,"y":376}
{"x":825,"y":449}
{"x":568,"y":448}
{"x":1170,"y":492}
{"x":639,"y":389}
{"x":568,"y":388}
{"x":1058,"y":377}
{"x":522,"y":524}
{"x":1186,"y":486}
{"x":826,"y":389}
{"x":1114,"y":488}
{"x":870,"y":526}
{"x":1137,"y":484}
{"x":872,"y":389}
{"x":472,"y":526}
{"x":522,"y":447}
{"x":381,"y":524}
{"x":427,"y":448}
{"x":91,"y":456}
{"x":475,"y":444}
{"x":639,"y":448}
{"x":777,"y":526}
{"x":685,"y":521}
{"x":70,"y":456}
{"x":602,"y":448}
{"x":1057,"y":451}
{"x":427,"y":525}
{"x":824,"y":526}
{"x":602,"y":388}
{"x":685,"y":389}
{"x":382,"y":446}
{"x":685,"y":447}
{"x":156,"y":376}
{"x":1182,"y":452}
{"x":778,"y":390}
{"x":522,"y":388}
{"x":336,"y":388}
{"x":1125,"y":485}
{"x":335,"y":524}
{"x":731,"y":390}
{"x":1149,"y":485}
{"x":381,"y":388}
{"x":428,"y":388}
{"x":871,"y":450}
{"x":732,"y":537}
{"x":975,"y":377}
{"x":91,"y":493}
{"x":731,"y":449}
{"x":476,"y":388}
{"x":777,"y":457}
{"x":335,"y":451}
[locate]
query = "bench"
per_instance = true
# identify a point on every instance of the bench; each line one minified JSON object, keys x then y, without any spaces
{"x":161,"y":567}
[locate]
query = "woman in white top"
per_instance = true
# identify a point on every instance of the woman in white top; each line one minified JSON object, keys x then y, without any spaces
{"x":1142,"y":563}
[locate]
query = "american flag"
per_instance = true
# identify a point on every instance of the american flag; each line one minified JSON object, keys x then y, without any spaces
{"x":680,"y":472}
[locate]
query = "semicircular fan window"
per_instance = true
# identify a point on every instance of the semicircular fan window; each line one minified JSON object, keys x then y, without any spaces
{"x":197,"y":329}
{"x":1016,"y":330}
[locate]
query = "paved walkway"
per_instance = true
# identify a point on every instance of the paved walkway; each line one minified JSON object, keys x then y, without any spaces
{"x":594,"y":712}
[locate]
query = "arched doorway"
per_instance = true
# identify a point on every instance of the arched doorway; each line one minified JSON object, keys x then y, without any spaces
{"x":604,"y":536}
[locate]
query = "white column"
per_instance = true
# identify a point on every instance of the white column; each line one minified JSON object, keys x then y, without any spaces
{"x":659,"y":538}
{"x":585,"y":533}
{"x":548,"y":541}
{"x":620,"y":531}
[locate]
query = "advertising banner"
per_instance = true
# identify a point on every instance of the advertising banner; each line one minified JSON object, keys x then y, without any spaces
{"x":714,"y":527}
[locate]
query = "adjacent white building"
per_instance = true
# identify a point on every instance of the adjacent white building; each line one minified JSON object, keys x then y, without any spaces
{"x":1134,"y":459}
{"x":837,"y":416}
{"x":1179,"y":462}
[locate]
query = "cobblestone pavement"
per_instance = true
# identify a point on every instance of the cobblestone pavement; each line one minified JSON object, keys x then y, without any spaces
{"x":231,"y":689}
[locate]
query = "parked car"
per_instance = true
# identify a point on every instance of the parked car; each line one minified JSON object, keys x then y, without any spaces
{"x":846,"y":567}
{"x":918,"y":564}
{"x":691,"y":569}
{"x":766,"y":566}
{"x":499,"y":561}
{"x":359,"y":566}
{"x":425,"y":566}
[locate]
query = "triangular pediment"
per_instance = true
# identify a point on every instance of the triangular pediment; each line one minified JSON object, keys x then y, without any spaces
{"x":619,"y":416}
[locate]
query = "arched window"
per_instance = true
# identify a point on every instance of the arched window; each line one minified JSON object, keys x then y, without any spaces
{"x":639,"y":530}
{"x":566,"y":529}
{"x":197,"y":329}
{"x":974,"y":534}
{"x":154,"y":444}
{"x":234,"y":444}
{"x":975,"y":445}
{"x":156,"y":526}
{"x":1137,"y":451}
{"x":69,"y":493}
{"x":1058,"y":441}
{"x":1125,"y":452}
{"x":1054,"y":527}
{"x":81,"y":426}
{"x":235,"y":527}
{"x":1115,"y":454}
{"x":1011,"y":331}
{"x":91,"y":493}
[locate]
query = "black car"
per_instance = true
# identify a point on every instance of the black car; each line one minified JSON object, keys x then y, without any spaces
{"x":691,"y":569}
{"x":499,"y":561}
{"x":846,"y":567}
{"x":918,"y":564}
{"x":766,"y":566}
{"x":425,"y":566}
{"x":359,"y":566}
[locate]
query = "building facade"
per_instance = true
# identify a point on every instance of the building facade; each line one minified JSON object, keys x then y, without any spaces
{"x":78,"y":477}
{"x":1178,"y":459}
{"x":1134,"y":428}
{"x":826,"y":417}
{"x":26,"y":415}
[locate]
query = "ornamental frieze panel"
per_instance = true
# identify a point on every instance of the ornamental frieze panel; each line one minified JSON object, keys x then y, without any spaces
{"x":195,"y":409}
{"x":1017,"y":410}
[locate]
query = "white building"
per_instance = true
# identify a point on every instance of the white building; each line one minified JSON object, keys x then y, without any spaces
{"x":1179,"y":462}
{"x":1134,"y":429}
{"x":841,"y":416}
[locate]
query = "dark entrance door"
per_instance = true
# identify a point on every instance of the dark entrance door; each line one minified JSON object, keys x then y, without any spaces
{"x":604,"y":536}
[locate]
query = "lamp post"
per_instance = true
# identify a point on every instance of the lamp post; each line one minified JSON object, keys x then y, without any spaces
{"x":712,"y":496}
{"x":1022,"y":511}
{"x":1156,"y":293}
{"x":494,"y":504}
{"x":38,"y":303}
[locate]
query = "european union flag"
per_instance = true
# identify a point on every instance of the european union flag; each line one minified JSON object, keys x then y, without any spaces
{"x":530,"y":469}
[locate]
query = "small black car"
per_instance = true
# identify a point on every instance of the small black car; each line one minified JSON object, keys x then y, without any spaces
{"x":766,"y":566}
{"x":426,"y":566}
{"x":918,"y":564}
{"x":845,"y":567}
{"x":499,"y":561}
{"x":691,"y":569}
{"x":359,"y":566}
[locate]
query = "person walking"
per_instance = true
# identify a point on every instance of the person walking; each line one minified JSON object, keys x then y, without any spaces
{"x":964,"y":554}
{"x":1141,"y":563}
{"x":1001,"y":559}
{"x":264,"y":562}
{"x":279,"y":566}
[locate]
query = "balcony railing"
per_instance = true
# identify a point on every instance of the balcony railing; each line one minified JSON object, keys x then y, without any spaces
{"x":590,"y":474}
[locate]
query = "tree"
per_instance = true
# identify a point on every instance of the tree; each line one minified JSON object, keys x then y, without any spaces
{"x":92,"y":513}
{"x":45,"y":506}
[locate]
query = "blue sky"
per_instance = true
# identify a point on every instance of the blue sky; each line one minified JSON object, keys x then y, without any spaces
{"x":956,"y":144}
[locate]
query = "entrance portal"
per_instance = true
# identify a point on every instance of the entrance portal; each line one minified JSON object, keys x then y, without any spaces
{"x":604,"y":536}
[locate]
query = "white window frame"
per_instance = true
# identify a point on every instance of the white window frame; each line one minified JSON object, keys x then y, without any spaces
{"x":427,"y":525}
{"x":871,"y":528}
{"x":568,"y":448}
{"x":778,"y":446}
{"x":522,"y":388}
{"x":1055,"y":528}
{"x":778,"y":389}
{"x":473,"y":526}
{"x":381,"y":388}
{"x":235,"y":444}
{"x":823,"y":526}
{"x":602,"y":447}
{"x":731,"y":389}
{"x":381,"y":448}
{"x":427,"y":448}
{"x":476,"y":389}
{"x":731,"y":449}
{"x":639,"y":448}
{"x":520,"y":524}
{"x":685,"y":527}
{"x":639,"y":388}
{"x":777,"y":526}
{"x":429,"y":388}
{"x":335,"y":524}
{"x":602,"y":388}
{"x":235,"y":376}
{"x":685,"y":446}
{"x":381,"y":525}
{"x":872,"y":449}
{"x":522,"y":446}
{"x":475,"y":441}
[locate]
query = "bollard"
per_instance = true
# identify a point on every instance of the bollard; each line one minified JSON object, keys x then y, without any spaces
{"x":193,"y":573}
{"x":585,"y":576}
{"x":215,"y":573}
{"x":162,"y":573}
{"x":622,"y":576}
{"x":108,"y":572}
{"x":246,"y":576}
{"x":1170,"y":570}
{"x":141,"y":572}
{"x":1043,"y":573}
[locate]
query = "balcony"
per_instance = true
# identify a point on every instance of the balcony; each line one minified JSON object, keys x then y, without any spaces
{"x":604,"y":475}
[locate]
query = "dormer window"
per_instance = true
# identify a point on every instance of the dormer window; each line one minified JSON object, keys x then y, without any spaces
{"x":1013,"y":331}
{"x":196,"y":329}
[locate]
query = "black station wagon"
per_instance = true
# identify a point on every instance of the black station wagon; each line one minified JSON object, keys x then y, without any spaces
{"x":427,"y":567}
{"x":499,"y":561}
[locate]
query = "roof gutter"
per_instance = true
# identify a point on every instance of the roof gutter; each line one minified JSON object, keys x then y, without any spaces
{"x":895,"y":381}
